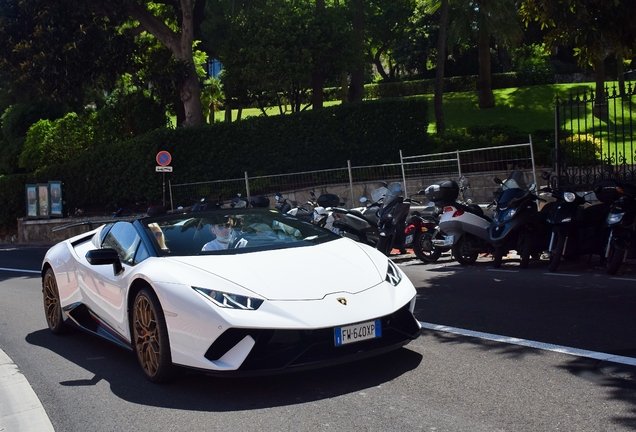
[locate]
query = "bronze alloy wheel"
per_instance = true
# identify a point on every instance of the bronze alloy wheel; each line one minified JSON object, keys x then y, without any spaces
{"x":150,"y":336}
{"x":52,"y":306}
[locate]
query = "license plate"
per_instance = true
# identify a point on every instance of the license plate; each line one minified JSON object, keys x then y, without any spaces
{"x":449,"y":240}
{"x":336,"y":231}
{"x":409,"y":239}
{"x":357,"y":332}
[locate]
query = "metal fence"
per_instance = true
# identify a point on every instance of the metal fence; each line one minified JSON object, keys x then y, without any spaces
{"x":594,"y":137}
{"x":353,"y":182}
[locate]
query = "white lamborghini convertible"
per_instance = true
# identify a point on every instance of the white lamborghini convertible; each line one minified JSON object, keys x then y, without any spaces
{"x":237,"y":291}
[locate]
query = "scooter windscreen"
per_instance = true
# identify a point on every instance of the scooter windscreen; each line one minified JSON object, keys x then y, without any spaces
{"x":509,"y":196}
{"x":516,"y":179}
{"x":393,"y":192}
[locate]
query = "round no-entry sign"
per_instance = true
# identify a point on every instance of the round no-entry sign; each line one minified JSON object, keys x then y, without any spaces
{"x":164,"y":158}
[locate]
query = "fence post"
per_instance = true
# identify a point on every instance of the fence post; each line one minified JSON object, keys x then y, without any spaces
{"x":556,"y":162}
{"x":459,"y":166}
{"x":247,"y":187}
{"x":403,"y":174}
{"x":170,"y":191}
{"x":534,"y":173}
{"x":350,"y":183}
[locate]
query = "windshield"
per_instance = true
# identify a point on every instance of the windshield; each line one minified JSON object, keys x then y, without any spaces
{"x":394,"y":191}
{"x":516,"y":179}
{"x":232,"y":231}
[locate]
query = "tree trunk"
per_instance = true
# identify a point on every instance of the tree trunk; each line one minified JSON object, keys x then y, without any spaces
{"x":486,"y":97}
{"x":318,"y":77}
{"x":180,"y":45}
{"x":439,"y":71}
{"x":600,"y":109}
{"x":620,"y":73}
{"x":356,"y":87}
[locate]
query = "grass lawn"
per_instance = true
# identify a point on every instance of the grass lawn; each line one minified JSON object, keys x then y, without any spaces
{"x":526,"y":108}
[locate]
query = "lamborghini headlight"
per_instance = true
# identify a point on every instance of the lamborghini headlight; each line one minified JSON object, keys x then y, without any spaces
{"x":393,"y":274}
{"x":569,"y":196}
{"x":229,"y":300}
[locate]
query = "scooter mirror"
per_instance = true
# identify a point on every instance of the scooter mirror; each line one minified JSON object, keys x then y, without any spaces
{"x":533,"y":187}
{"x":363,"y":199}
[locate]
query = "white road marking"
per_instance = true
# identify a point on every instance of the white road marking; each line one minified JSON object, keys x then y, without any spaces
{"x":503,"y":271}
{"x":532,"y":344}
{"x":20,"y":270}
{"x":562,"y":274}
{"x":623,"y":279}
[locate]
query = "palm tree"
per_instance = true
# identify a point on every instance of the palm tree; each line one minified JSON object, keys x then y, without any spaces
{"x":482,"y":19}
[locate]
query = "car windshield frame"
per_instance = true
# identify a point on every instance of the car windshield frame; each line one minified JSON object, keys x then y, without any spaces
{"x":251,"y":230}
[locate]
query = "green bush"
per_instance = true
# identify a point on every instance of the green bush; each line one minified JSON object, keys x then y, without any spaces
{"x":55,"y":142}
{"x":122,"y":173}
{"x":16,"y":121}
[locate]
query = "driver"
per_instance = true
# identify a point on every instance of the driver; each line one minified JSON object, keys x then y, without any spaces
{"x":223,"y":231}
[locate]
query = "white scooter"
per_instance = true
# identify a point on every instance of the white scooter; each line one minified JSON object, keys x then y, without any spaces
{"x":464,"y":224}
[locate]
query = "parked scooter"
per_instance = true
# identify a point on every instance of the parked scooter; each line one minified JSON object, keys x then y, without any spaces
{"x":577,"y":228}
{"x":465,"y":225}
{"x":620,"y":220}
{"x":360,"y":224}
{"x":323,"y":209}
{"x":517,"y":223}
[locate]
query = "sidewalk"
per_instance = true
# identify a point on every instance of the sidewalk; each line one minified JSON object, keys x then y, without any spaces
{"x":20,"y":408}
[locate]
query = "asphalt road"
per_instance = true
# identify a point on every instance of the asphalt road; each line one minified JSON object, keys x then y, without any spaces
{"x":443,"y":381}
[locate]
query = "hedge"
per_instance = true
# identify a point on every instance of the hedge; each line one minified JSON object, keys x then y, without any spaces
{"x":122,"y":174}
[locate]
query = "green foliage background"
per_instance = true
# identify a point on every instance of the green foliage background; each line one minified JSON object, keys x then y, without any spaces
{"x":122,"y":173}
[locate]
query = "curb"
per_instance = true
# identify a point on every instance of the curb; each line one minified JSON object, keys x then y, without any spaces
{"x":20,"y":408}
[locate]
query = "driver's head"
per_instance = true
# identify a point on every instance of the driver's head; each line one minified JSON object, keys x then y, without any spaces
{"x":222,"y":228}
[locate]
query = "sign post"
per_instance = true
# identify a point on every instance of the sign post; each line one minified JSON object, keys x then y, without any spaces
{"x":163,"y":159}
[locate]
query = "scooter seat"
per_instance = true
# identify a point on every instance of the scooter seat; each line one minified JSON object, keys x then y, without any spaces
{"x":362,"y":216}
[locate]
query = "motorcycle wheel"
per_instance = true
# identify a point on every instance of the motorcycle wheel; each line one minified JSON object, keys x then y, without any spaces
{"x":424,"y":249}
{"x":497,"y":256}
{"x":614,"y":258}
{"x":557,"y":253}
{"x":462,"y":251}
{"x":526,"y":249}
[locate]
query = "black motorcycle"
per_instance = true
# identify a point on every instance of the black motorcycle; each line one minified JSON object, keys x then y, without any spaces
{"x":424,"y":236}
{"x":517,"y":222}
{"x":392,"y":219}
{"x":620,"y":221}
{"x":577,"y":229}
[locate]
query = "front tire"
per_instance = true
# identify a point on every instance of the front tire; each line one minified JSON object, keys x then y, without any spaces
{"x":424,"y":248}
{"x":497,"y":256}
{"x":614,"y":258}
{"x":150,"y":337}
{"x":463,"y":251}
{"x":526,"y":250}
{"x":52,"y":305}
{"x":557,"y":253}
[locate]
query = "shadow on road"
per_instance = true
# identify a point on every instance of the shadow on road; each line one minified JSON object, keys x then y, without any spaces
{"x":199,"y":392}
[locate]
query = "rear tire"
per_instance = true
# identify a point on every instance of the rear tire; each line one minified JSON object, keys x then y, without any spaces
{"x":424,"y":248}
{"x":557,"y":253}
{"x":462,"y":251}
{"x":150,"y":337}
{"x":614,"y":258}
{"x":52,"y":305}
